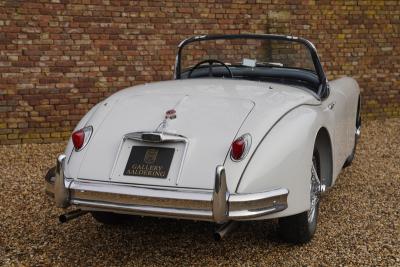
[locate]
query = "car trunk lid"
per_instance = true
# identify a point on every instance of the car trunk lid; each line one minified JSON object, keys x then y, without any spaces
{"x":208,"y":125}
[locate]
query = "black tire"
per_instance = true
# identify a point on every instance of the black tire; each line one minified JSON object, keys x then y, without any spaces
{"x":108,"y":217}
{"x":297,"y":229}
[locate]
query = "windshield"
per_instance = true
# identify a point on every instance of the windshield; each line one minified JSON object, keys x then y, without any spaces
{"x":263,"y":57}
{"x":248,"y":52}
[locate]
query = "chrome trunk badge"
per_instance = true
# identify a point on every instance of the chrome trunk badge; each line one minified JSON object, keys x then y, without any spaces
{"x":170,"y":114}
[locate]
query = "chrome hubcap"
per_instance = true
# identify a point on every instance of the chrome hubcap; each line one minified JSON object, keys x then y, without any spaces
{"x":315,"y":192}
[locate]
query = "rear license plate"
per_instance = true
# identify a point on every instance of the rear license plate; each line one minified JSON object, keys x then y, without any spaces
{"x":149,"y":161}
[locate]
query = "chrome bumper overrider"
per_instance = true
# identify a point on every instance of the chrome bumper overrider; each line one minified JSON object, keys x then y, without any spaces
{"x":217,"y":205}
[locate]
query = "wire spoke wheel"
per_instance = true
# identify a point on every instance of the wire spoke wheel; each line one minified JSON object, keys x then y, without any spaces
{"x":315,"y":191}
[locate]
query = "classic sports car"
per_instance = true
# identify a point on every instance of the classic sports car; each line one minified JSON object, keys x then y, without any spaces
{"x":249,"y":129}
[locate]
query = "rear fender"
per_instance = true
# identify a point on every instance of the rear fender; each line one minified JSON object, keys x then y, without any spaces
{"x":283,"y":159}
{"x":93,"y":117}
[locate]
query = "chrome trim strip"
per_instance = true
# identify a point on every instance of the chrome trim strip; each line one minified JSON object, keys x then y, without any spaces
{"x":254,"y":205}
{"x":220,"y":196}
{"x":155,"y":187}
{"x":161,"y":137}
{"x":120,"y":194}
{"x":61,"y":193}
{"x":145,"y":210}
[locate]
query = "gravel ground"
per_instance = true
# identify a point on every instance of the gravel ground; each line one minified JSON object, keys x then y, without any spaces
{"x":359,"y":220}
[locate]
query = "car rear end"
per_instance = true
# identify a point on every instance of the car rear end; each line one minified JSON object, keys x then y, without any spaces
{"x":155,"y":160}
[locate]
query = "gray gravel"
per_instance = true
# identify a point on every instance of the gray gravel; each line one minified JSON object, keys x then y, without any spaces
{"x":359,"y":220}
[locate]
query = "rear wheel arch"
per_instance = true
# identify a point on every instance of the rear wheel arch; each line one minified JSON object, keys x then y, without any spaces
{"x":323,"y":146}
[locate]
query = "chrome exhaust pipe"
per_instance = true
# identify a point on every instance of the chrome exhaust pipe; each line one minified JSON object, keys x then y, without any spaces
{"x":224,"y":229}
{"x":71,"y":215}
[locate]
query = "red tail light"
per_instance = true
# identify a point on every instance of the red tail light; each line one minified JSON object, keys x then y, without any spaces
{"x":240,"y":147}
{"x":78,"y":138}
{"x":81,"y":137}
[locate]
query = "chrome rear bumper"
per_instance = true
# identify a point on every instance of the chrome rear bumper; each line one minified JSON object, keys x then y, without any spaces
{"x":217,"y":205}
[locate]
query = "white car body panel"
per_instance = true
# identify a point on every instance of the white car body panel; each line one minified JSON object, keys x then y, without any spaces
{"x":344,"y":94}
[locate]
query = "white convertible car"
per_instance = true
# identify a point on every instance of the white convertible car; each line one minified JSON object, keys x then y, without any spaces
{"x":249,"y":129}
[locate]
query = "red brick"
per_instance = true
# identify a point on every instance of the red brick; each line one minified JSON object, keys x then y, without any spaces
{"x":54,"y":67}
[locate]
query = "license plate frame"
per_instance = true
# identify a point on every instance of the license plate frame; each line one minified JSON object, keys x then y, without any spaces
{"x":149,"y":162}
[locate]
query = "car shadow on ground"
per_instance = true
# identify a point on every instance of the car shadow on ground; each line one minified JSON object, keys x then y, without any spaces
{"x":144,"y":237}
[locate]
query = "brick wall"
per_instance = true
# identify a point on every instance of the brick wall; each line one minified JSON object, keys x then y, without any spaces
{"x":58,"y":58}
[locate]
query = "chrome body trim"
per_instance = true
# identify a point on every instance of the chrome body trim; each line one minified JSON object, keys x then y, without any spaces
{"x":242,"y":206}
{"x":155,"y":137}
{"x":216,"y":205}
{"x":220,"y":196}
{"x":61,"y":193}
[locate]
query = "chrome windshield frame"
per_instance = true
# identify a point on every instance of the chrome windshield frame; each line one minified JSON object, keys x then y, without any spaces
{"x":323,"y":88}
